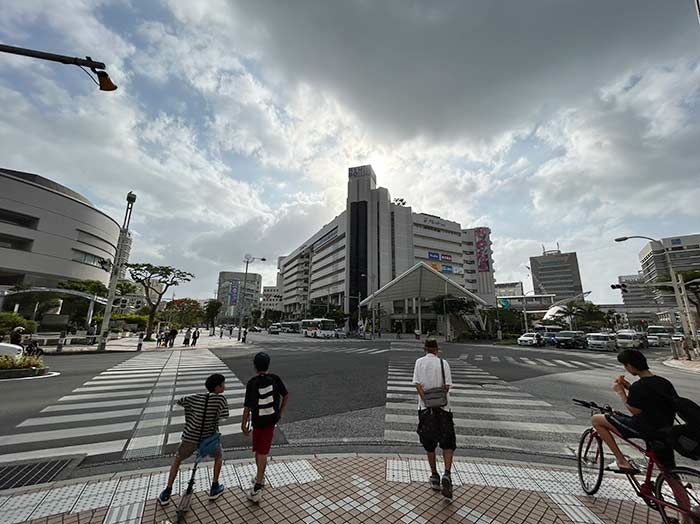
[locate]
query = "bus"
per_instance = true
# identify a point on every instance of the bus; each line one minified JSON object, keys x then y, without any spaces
{"x":318,"y":328}
{"x":663,"y":332}
{"x":289,"y":327}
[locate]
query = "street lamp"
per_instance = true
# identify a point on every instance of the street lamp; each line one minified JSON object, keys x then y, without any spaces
{"x":247,"y":259}
{"x":115,"y":267}
{"x":674,"y":280}
{"x":103,"y":80}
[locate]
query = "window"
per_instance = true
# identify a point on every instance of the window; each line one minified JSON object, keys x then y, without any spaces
{"x":470,"y":262}
{"x":470,"y":271}
{"x":469,"y":252}
{"x":469,"y":243}
{"x":18,"y":219}
{"x":86,"y":258}
{"x":12,"y":242}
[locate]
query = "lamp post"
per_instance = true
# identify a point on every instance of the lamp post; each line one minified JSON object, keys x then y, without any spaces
{"x":674,"y":280}
{"x":116,"y":267}
{"x":103,"y":80}
{"x":247,"y":259}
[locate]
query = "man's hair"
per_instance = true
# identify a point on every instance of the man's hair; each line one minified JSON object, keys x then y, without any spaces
{"x":213,"y":381}
{"x":261,"y":361}
{"x":431,"y":344}
{"x":634,"y":358}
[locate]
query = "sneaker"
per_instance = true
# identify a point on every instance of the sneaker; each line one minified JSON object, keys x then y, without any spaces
{"x":435,"y":482}
{"x":447,"y":486}
{"x":253,"y":481}
{"x":216,"y":491}
{"x":164,"y":497}
{"x":254,"y":495}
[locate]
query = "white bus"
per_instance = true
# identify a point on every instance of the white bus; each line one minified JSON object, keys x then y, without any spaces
{"x":289,"y":327}
{"x":318,"y":328}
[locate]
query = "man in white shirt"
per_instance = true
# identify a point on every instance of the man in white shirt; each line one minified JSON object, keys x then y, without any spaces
{"x":435,"y":425}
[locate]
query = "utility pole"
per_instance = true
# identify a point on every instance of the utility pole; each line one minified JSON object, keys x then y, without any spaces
{"x":116,"y":268}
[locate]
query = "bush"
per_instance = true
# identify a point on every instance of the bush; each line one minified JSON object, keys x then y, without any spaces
{"x":139,"y":320}
{"x":23,"y":362}
{"x":9,"y":321}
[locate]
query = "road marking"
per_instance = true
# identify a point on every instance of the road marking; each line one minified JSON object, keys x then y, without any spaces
{"x":495,"y":359}
{"x":506,"y":412}
{"x":539,"y":427}
{"x":515,"y":402}
{"x":455,"y":392}
{"x":545,"y":362}
{"x":581,"y":364}
{"x":82,"y":417}
{"x":528,"y":361}
{"x":58,"y":434}
{"x":563,"y":363}
{"x":511,"y":359}
{"x":98,"y":448}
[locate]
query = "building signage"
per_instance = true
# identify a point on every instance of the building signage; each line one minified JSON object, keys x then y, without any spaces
{"x":433,"y":256}
{"x":446,"y":268}
{"x":233,"y":293}
{"x":446,"y":256}
{"x":483,"y":255}
{"x":435,"y":266}
{"x":434,"y":222}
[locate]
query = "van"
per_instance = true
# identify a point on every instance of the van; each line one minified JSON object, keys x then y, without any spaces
{"x":601,"y":341}
{"x":630,"y":340}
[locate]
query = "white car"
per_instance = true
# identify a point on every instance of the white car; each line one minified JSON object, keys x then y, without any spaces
{"x":601,"y":341}
{"x":678,"y":337}
{"x":654,"y":341}
{"x":527,"y":339}
{"x":630,"y":340}
{"x":12,"y":350}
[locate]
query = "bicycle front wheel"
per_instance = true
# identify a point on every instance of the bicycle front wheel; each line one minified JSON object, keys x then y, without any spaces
{"x":680,"y":487}
{"x":590,"y":461}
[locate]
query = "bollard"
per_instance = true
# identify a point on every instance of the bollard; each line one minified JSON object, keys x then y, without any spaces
{"x":61,"y":341}
{"x":139,"y":347}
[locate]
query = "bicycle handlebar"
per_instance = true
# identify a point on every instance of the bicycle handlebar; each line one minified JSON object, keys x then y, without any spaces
{"x":592,"y":405}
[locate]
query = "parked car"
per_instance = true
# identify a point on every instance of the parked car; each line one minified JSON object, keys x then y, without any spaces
{"x":274,"y":329}
{"x":654,"y":341}
{"x":340,"y":333}
{"x":255,"y":329}
{"x":630,"y":340}
{"x":571,"y":339}
{"x":527,"y":339}
{"x":12,"y":350}
{"x":601,"y":341}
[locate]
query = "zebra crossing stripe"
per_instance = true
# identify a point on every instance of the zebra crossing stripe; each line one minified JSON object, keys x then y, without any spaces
{"x":507,"y":412}
{"x":476,"y":400}
{"x":58,"y":434}
{"x":495,"y":359}
{"x":510,"y":359}
{"x":545,"y":362}
{"x":82,"y":417}
{"x":581,"y":364}
{"x":564,"y":363}
{"x":454,"y":390}
{"x":98,"y":448}
{"x":528,"y":361}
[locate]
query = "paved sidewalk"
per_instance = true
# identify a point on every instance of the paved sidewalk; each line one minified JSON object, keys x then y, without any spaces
{"x":131,"y":344}
{"x":686,"y":365}
{"x":339,"y":488}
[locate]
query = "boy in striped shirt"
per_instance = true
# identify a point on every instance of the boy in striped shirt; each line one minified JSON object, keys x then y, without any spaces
{"x":200,"y":425}
{"x":265,"y":400}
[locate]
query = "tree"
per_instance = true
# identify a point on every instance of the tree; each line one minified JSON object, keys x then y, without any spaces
{"x":91,"y":287}
{"x":9,"y":321}
{"x":255,"y":315}
{"x":185,"y":311}
{"x":452,"y":305}
{"x":156,"y":280}
{"x":569,"y":311}
{"x":271,"y":316}
{"x":211,"y":311}
{"x":126,"y":287}
{"x":692,"y":289}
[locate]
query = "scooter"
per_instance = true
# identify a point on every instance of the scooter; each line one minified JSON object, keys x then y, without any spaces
{"x":32,"y":349}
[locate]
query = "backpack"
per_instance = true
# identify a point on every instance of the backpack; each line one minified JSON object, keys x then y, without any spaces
{"x":685,"y":438}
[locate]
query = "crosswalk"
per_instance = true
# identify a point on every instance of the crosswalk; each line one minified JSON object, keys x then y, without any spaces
{"x":127,"y":411}
{"x":327,"y":349}
{"x":488,"y":412}
{"x":569,"y":364}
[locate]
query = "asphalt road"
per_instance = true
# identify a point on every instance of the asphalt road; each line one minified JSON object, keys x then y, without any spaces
{"x":117,"y":408}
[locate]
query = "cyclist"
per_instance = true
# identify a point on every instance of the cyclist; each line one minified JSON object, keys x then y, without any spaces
{"x":648,"y":399}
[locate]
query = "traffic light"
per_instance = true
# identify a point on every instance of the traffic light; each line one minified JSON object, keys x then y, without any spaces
{"x":621,"y":287}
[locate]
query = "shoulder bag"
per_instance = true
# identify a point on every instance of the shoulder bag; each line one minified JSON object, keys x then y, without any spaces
{"x":436,"y":397}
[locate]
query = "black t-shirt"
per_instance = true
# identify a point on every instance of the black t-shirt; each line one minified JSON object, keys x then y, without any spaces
{"x":653,"y":396}
{"x":263,"y":396}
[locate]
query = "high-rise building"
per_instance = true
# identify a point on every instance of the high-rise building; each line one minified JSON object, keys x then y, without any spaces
{"x":271,"y":299}
{"x":685,"y":255}
{"x":234,"y":297}
{"x":636,"y":294}
{"x":509,"y":289}
{"x":478,"y":263}
{"x":556,"y":273}
{"x":369,"y":244}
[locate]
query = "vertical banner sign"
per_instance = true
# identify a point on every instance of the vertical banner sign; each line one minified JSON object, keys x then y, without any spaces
{"x":233,"y":293}
{"x":483,"y":258}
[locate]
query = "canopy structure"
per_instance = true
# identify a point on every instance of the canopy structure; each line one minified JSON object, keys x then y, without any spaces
{"x":421,"y":282}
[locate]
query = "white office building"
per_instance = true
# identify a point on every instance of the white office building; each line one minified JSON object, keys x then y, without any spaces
{"x":271,"y":299}
{"x":239,"y":293}
{"x":373,"y":241}
{"x":684,"y":252}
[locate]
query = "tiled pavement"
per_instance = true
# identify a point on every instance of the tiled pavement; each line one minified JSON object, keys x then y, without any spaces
{"x":340,"y":489}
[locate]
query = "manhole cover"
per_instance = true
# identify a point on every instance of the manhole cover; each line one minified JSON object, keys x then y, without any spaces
{"x":27,"y":474}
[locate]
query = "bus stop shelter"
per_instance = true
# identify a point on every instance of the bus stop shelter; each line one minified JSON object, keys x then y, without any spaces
{"x":420,"y":283}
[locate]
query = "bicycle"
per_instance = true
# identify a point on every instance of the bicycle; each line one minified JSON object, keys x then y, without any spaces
{"x":659,"y":495}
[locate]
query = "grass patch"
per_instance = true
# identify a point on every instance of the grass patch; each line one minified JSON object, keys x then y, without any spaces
{"x":23,"y":362}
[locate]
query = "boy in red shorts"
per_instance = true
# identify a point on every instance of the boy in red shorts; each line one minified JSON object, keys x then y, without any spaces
{"x":265,"y":399}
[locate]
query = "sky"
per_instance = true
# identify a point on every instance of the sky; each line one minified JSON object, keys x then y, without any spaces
{"x":235,"y":122}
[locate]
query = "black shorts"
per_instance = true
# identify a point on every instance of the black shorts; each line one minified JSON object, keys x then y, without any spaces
{"x":436,"y":427}
{"x":629,"y":427}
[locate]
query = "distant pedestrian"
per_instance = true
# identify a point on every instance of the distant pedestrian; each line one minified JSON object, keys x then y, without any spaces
{"x":172,"y":335}
{"x":195,"y":336}
{"x":245,"y":334}
{"x":221,"y":331}
{"x":265,"y":400}
{"x":91,"y":332}
{"x":203,"y":411}
{"x":230,"y":331}
{"x":417,"y":334}
{"x":432,"y":378}
{"x":188,"y":335}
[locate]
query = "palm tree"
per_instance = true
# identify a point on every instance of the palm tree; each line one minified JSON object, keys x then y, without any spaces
{"x":570,"y":311}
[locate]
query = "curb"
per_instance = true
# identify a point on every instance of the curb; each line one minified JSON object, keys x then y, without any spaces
{"x":678,"y":364}
{"x":22,"y":373}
